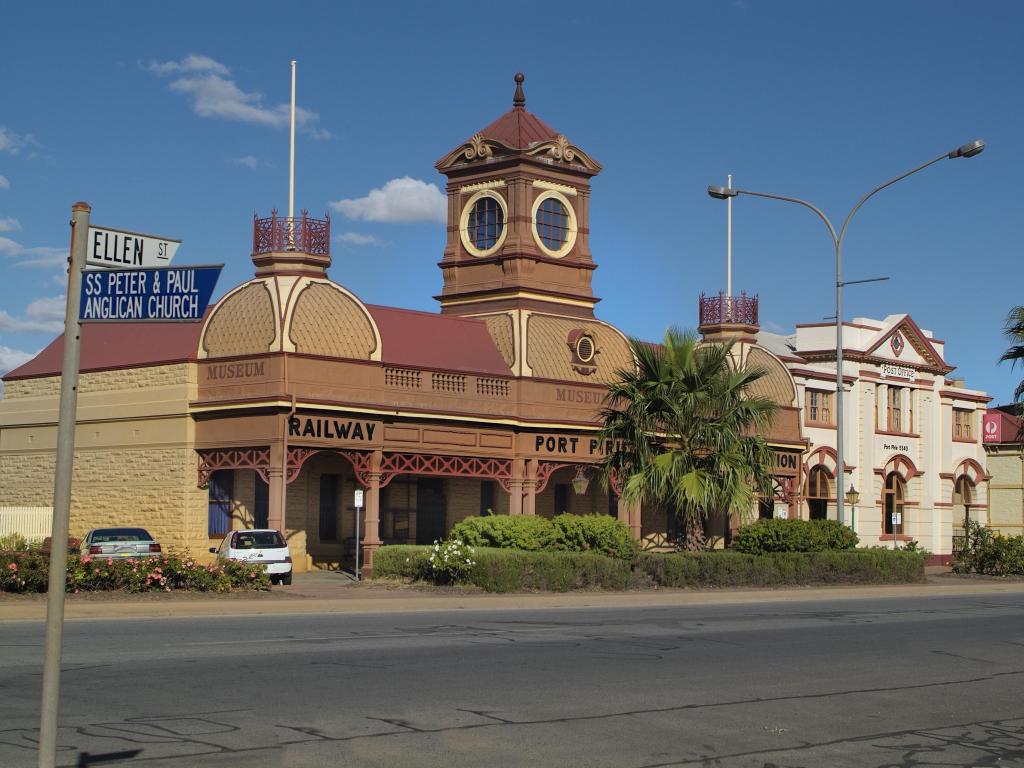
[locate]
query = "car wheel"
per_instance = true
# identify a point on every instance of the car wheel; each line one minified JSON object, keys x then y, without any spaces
{"x":287,"y":579}
{"x":273,"y":579}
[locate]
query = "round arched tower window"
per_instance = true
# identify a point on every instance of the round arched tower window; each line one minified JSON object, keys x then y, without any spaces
{"x":554,"y":223}
{"x":483,"y":226}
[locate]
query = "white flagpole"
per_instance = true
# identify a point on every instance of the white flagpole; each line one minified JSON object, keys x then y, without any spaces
{"x":728,"y":244}
{"x":291,"y":163}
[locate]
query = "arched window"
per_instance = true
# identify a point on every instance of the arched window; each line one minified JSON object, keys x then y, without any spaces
{"x":893,"y":497}
{"x":963,"y":491}
{"x":818,"y":493}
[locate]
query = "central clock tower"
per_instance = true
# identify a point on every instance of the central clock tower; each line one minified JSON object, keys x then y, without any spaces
{"x":518,"y":220}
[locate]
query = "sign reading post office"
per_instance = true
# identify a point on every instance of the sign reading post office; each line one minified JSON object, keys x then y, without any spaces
{"x":175,"y":294}
{"x":118,"y":248}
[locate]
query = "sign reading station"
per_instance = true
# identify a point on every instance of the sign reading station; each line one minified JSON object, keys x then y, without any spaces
{"x":136,"y":295}
{"x":117,"y":248}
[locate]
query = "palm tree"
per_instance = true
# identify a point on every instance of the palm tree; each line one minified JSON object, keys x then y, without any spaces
{"x":1014,"y":332}
{"x":685,"y":423}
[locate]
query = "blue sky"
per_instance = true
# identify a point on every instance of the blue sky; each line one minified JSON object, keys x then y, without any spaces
{"x":170,"y":119}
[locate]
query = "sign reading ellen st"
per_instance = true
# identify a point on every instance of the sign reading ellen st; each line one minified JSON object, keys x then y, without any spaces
{"x":119,"y":248}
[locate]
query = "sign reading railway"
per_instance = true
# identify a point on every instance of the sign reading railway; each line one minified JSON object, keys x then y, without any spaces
{"x":173,"y":294}
{"x":118,"y":248}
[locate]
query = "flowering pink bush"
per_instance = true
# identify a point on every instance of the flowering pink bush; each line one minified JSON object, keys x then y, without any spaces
{"x":28,"y":572}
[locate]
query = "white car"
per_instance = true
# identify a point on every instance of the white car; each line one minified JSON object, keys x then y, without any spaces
{"x":261,"y":545}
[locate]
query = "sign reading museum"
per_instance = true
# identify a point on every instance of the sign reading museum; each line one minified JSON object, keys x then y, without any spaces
{"x":173,"y":294}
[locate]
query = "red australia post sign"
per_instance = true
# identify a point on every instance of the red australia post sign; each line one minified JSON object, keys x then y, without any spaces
{"x":992,"y":428}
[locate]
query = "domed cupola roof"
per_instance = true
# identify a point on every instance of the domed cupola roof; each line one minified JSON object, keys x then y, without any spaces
{"x":522,"y":135}
{"x":291,"y":305}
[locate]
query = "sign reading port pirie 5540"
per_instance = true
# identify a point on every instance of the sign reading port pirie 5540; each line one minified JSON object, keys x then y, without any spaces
{"x":174,"y":294}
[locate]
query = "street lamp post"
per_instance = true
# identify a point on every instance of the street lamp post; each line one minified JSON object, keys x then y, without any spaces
{"x":724,"y":193}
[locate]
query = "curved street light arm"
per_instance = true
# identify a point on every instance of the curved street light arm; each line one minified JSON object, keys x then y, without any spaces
{"x":804,"y":203}
{"x":880,"y":187}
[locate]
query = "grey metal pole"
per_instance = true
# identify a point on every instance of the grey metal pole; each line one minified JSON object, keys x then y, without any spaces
{"x":840,"y":433}
{"x":970,"y":149}
{"x":359,"y":509}
{"x":62,"y":491}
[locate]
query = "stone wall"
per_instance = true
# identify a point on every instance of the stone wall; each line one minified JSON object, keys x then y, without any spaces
{"x":154,"y":488}
{"x":101,"y":381}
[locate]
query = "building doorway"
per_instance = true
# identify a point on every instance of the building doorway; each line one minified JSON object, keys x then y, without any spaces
{"x":892,"y":502}
{"x":431,"y":510}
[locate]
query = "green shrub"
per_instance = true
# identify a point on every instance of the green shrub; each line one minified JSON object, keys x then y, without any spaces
{"x":13,"y":542}
{"x":990,"y":553}
{"x":527,"y":532}
{"x":772,"y":535}
{"x":403,"y":561}
{"x":733,"y":569}
{"x":29,"y":572}
{"x":602,"y":534}
{"x":509,"y":570}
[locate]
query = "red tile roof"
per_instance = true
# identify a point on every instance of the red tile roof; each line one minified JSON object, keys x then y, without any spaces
{"x":519,"y":129}
{"x":428,"y":340}
{"x":118,"y":345}
{"x":410,"y":338}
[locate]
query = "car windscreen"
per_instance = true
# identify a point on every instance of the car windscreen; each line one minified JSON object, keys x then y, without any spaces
{"x":258,"y":540}
{"x":120,"y":534}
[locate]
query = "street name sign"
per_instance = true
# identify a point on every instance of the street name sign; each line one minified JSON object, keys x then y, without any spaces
{"x":118,"y":248}
{"x":172,"y":294}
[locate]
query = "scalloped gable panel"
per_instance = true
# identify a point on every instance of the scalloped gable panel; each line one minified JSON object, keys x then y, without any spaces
{"x":914,"y":347}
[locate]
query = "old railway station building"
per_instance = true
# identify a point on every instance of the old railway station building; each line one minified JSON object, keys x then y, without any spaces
{"x":293,"y":392}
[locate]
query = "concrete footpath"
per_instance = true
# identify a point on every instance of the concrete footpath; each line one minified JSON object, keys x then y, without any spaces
{"x":331,"y":592}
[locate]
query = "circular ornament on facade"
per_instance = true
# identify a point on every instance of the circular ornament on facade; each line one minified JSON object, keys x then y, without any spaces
{"x":482,"y":225}
{"x":585,"y":348}
{"x":897,"y":344}
{"x":554,"y":223}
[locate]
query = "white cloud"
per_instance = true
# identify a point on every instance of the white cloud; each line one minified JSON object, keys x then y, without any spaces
{"x":12,"y":358}
{"x":41,"y":316}
{"x":4,"y":183}
{"x":12,"y":143}
{"x":247,"y":161}
{"x":357,"y":238}
{"x":193,"y":62}
{"x":400,"y":200}
{"x":36,"y":256}
{"x":215,"y":94}
{"x":9,"y":225}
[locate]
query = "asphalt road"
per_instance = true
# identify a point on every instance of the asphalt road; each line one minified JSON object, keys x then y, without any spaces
{"x":930,"y":681}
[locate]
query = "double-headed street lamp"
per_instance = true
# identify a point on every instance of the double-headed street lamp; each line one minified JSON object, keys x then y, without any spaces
{"x":724,"y":193}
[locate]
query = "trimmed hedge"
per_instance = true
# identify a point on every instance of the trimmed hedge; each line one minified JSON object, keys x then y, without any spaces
{"x":773,"y":535}
{"x":510,"y":570}
{"x":531,"y":533}
{"x":736,"y":569}
{"x":503,"y":570}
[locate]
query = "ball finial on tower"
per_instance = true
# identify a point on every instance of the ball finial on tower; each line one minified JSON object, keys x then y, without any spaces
{"x":519,"y":100}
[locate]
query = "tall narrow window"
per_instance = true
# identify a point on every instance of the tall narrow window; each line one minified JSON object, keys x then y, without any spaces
{"x":910,"y":410}
{"x":329,"y":507}
{"x":818,"y":406}
{"x":261,"y":506}
{"x":220,"y":493}
{"x":561,"y":498}
{"x":818,"y":493}
{"x":487,"y":497}
{"x":962,"y":424}
{"x":893,"y":498}
{"x":894,"y":409}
